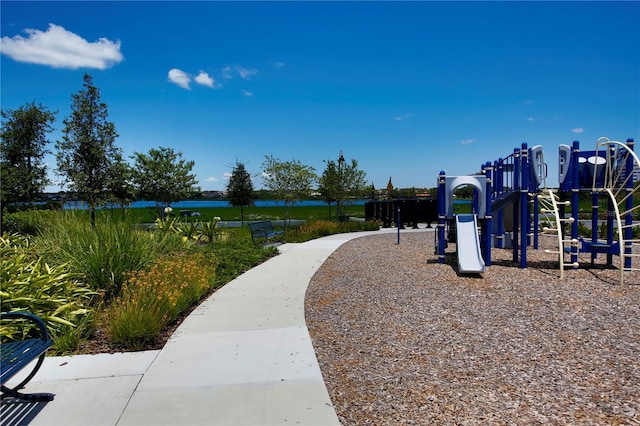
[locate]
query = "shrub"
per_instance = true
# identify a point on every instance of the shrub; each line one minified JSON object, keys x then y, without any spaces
{"x":105,"y":254}
{"x":153,"y":298}
{"x":29,"y":284}
{"x":170,"y":224}
{"x":27,"y":222}
{"x":322,"y":228}
{"x":209,"y":229}
{"x":236,"y":254}
{"x":188,"y":230}
{"x":584,"y":230}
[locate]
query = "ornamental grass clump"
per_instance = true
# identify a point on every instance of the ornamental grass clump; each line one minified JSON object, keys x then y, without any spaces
{"x":153,"y":298}
{"x":28,"y":222}
{"x":104,"y":254}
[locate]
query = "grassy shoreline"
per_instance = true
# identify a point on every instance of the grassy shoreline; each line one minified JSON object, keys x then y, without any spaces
{"x":147,"y":214}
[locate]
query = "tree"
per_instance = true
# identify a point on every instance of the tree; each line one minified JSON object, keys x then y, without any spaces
{"x":163,"y":176}
{"x":290,"y":181}
{"x":240,"y":188}
{"x":328,"y":184}
{"x":465,"y":192}
{"x":342,"y":181}
{"x":87,"y":152}
{"x":22,"y":150}
{"x":121,"y":188}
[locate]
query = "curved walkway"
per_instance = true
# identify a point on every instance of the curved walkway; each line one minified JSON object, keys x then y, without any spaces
{"x":243,"y":357}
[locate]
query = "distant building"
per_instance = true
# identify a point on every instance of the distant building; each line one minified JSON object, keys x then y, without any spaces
{"x":214,"y":194}
{"x":424,"y":193}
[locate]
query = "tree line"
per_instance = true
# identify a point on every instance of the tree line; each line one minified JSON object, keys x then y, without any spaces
{"x":93,"y":168}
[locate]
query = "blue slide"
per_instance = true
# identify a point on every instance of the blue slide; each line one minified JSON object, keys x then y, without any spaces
{"x":468,"y":244}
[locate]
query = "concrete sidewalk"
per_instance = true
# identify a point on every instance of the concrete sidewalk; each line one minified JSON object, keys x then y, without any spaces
{"x":243,"y":357}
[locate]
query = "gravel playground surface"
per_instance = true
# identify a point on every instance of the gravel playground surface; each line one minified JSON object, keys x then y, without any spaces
{"x":402,"y":339}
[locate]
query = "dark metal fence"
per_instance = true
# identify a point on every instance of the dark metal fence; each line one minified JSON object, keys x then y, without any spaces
{"x":412,"y":211}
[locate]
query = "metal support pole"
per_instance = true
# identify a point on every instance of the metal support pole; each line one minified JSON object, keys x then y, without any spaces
{"x":399,"y":223}
{"x":441,"y":215}
{"x":575,"y":190}
{"x":498,"y":187}
{"x":486,"y":232}
{"x":524,"y":205}
{"x":536,"y":222}
{"x":595,"y":203}
{"x":628,"y":220}
{"x":516,"y":206}
{"x":610,"y":219}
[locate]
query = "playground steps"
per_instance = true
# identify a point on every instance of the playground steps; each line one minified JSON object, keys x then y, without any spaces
{"x":600,"y":247}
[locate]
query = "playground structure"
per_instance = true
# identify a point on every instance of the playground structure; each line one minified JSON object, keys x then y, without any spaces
{"x":502,"y":188}
{"x":609,"y":172}
{"x":474,"y":256}
{"x":511,"y":201}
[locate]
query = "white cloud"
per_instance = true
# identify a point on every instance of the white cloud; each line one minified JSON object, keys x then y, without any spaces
{"x":59,"y":48}
{"x":246,"y":73}
{"x":247,"y":93}
{"x":180,"y":78}
{"x":278,"y":64}
{"x":403,"y":116}
{"x":531,"y":119}
{"x":204,"y":79}
{"x":212,"y":179}
{"x":227,"y":72}
{"x":467,"y":141}
{"x":578,"y":130}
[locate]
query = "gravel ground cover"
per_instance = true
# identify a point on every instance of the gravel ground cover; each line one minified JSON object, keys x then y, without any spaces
{"x":402,"y":339}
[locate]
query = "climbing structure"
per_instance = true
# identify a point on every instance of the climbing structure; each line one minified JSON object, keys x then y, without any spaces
{"x":611,"y":172}
{"x":621,"y":170}
{"x":554,"y":223}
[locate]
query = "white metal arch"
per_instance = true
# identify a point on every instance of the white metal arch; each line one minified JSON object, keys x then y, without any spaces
{"x":453,"y":182}
{"x":616,"y":181}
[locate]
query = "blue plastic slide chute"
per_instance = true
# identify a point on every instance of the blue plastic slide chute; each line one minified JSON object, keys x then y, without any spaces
{"x":468,"y":244}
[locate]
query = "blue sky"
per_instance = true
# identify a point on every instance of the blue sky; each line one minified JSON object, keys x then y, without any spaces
{"x":407,"y":89}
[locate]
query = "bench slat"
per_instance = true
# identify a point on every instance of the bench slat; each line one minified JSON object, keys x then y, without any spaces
{"x":264,"y":229}
{"x":16,"y":355}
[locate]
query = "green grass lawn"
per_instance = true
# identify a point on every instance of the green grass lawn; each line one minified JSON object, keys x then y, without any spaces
{"x":145,"y":215}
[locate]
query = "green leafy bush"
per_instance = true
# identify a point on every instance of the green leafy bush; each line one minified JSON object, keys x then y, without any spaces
{"x":29,"y":284}
{"x":584,"y":230}
{"x":209,"y":230}
{"x":27,"y":222}
{"x":169,"y":224}
{"x":102,"y":256}
{"x":188,"y":230}
{"x":152,"y":298}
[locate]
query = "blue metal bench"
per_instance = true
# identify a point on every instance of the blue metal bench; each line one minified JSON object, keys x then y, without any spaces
{"x":263,"y":232}
{"x":17,"y":355}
